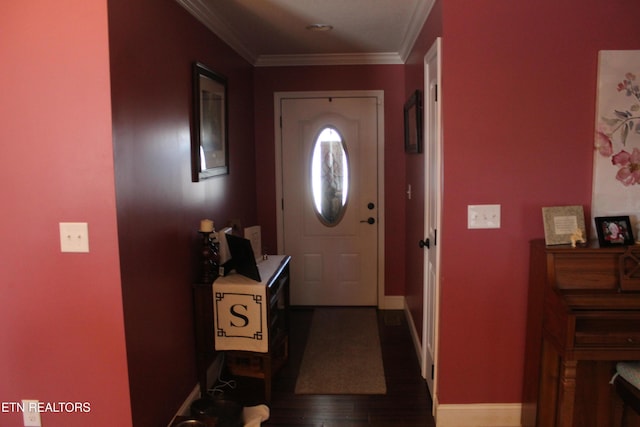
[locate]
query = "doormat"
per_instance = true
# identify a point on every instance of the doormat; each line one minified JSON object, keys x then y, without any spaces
{"x":343,"y":354}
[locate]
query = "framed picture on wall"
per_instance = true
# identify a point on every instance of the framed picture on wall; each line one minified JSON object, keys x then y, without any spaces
{"x":209,"y":142}
{"x":614,"y":230}
{"x":413,"y":123}
{"x":615,"y":184}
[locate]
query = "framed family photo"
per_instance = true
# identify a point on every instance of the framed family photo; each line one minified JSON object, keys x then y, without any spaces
{"x":614,"y":231}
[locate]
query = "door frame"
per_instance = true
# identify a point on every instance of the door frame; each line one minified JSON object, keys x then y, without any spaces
{"x":379,"y":94}
{"x":433,"y":54}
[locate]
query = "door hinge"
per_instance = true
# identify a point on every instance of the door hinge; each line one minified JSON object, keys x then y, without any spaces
{"x":281,"y":204}
{"x":280,"y":122}
{"x":436,"y":95}
{"x":432,"y":371}
{"x":435,"y":237}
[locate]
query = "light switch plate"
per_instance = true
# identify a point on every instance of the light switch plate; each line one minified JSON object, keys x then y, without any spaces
{"x":74,"y":237}
{"x":31,"y":413}
{"x":483,"y":216}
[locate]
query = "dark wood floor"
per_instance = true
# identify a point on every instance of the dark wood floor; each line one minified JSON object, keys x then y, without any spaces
{"x":407,"y":402}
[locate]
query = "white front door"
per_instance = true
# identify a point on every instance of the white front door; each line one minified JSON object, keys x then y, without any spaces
{"x":330,"y":198}
{"x":433,"y":195}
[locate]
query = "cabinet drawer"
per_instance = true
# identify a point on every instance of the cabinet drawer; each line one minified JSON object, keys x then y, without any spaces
{"x":594,"y":271}
{"x":609,"y":331}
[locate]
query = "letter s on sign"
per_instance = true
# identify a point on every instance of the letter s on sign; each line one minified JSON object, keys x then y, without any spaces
{"x":239,"y":315}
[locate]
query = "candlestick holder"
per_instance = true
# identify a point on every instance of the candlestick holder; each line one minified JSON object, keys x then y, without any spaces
{"x":210,"y":257}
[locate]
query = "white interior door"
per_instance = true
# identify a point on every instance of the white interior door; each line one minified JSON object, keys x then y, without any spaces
{"x":330,"y":207}
{"x":433,"y":195}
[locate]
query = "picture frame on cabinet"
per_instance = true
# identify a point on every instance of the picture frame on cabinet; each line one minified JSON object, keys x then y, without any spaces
{"x":209,"y":140}
{"x":614,"y":231}
{"x":413,"y":123}
{"x":561,"y":222}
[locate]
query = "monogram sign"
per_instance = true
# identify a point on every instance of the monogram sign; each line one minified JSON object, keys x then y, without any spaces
{"x":240,"y":317}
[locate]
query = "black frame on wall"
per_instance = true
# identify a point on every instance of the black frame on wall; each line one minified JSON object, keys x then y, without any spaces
{"x":209,"y":140}
{"x":413,"y":123}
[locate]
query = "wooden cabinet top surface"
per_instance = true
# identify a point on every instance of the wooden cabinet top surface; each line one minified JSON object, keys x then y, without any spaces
{"x":590,"y":277}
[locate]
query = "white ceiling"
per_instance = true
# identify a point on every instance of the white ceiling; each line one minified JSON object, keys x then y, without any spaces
{"x":273,"y":32}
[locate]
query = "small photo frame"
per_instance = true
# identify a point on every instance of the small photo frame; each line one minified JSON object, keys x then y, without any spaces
{"x":562,"y":222}
{"x":614,"y":231}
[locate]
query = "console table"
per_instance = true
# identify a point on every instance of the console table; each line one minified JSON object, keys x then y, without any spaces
{"x":246,"y":319}
{"x":583,"y":316}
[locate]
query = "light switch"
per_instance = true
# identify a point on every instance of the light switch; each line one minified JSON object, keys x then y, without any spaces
{"x":31,"y":413}
{"x":74,"y":237}
{"x":483,"y":216}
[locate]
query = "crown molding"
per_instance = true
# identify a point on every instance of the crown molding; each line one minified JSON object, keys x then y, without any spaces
{"x":420,"y":15}
{"x":202,"y":13}
{"x":200,"y":10}
{"x":328,"y":59}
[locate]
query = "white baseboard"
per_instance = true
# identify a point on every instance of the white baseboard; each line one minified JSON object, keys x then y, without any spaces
{"x":414,"y":333}
{"x":479,"y":415}
{"x":467,"y":415}
{"x":185,"y":409}
{"x":392,"y":302}
{"x":213,"y":373}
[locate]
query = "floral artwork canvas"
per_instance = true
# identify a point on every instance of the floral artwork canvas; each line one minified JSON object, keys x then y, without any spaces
{"x":616,"y":171}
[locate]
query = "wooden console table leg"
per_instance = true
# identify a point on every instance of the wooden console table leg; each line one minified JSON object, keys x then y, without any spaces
{"x":566,"y":393}
{"x":548,"y":386}
{"x":267,"y":378}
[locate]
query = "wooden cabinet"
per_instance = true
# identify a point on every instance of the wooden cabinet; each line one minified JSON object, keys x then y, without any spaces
{"x":271,"y":322}
{"x":583,"y":316}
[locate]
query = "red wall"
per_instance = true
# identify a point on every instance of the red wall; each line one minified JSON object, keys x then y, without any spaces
{"x":61,"y":317}
{"x":519,"y":85}
{"x":390,"y":79}
{"x":153,"y":45}
{"x":415,"y":170}
{"x":518,"y":99}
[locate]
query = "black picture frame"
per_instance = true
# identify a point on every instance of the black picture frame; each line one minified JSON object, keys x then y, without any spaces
{"x":614,"y":231}
{"x":209,"y":140}
{"x":413,"y":123}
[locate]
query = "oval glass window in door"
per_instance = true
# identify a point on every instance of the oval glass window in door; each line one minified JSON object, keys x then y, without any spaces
{"x":329,"y":176}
